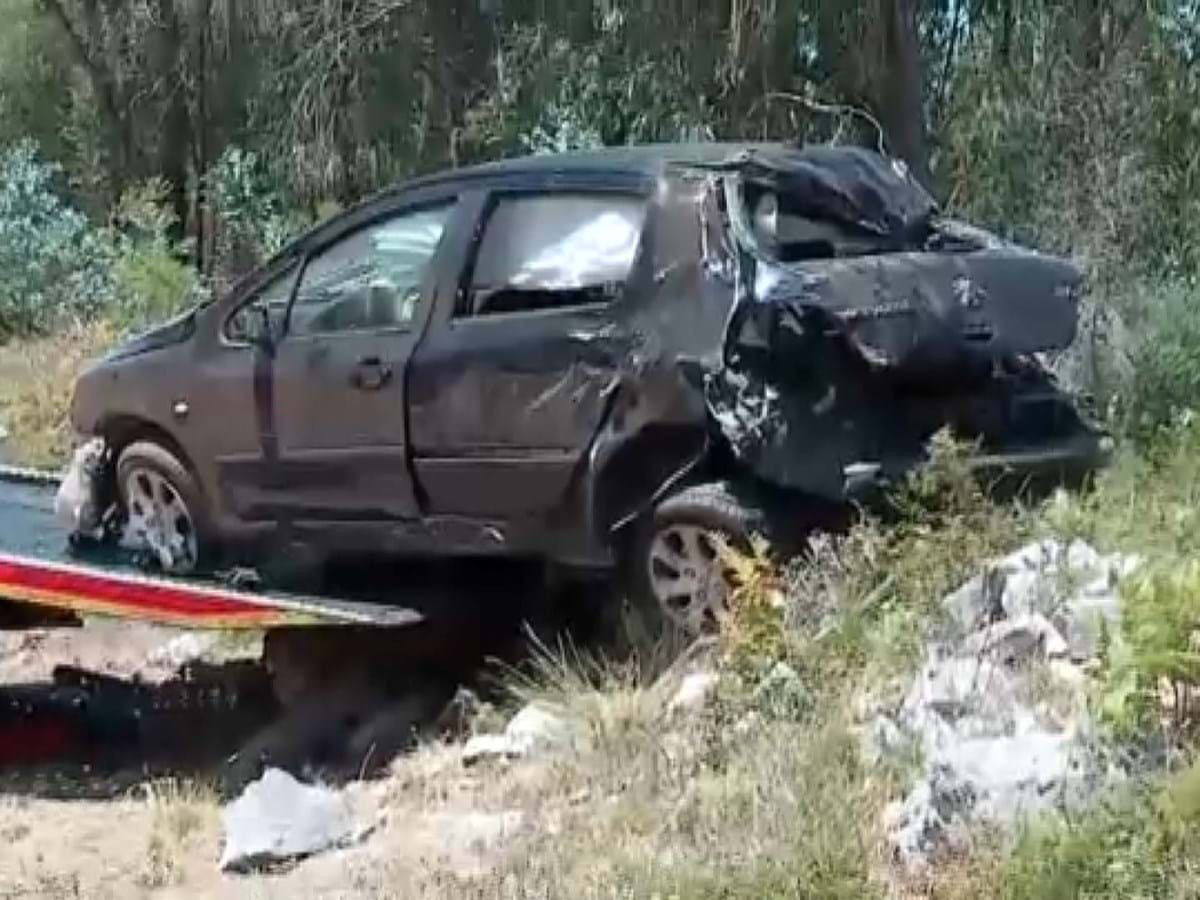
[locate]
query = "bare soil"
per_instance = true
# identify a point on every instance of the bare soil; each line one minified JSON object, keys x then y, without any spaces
{"x":79,"y":830}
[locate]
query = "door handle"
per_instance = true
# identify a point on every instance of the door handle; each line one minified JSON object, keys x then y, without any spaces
{"x":370,"y":374}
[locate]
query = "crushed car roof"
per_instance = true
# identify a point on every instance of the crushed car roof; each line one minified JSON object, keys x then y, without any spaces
{"x":850,"y":184}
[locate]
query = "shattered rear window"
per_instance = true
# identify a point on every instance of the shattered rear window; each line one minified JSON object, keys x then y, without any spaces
{"x":788,"y":235}
{"x":546,"y":251}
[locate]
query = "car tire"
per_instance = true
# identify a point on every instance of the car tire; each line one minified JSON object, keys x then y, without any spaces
{"x":676,"y":583}
{"x":165,"y":511}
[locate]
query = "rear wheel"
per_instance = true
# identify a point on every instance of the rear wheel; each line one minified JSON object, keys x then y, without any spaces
{"x":166,"y":516}
{"x":677,"y":578}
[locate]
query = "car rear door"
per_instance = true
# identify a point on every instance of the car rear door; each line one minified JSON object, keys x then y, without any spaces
{"x":508,"y":391}
{"x":337,"y":380}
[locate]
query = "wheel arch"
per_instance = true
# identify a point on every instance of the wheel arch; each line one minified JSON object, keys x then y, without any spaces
{"x":121,"y":431}
{"x":630,"y":476}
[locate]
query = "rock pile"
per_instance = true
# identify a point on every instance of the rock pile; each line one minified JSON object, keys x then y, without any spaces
{"x":997,"y":712}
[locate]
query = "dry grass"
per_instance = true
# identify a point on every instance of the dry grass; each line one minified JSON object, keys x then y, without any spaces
{"x":731,"y":802}
{"x":179,"y":810}
{"x":36,"y":379}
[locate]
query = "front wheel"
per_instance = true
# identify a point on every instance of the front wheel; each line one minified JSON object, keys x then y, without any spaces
{"x":677,"y":578}
{"x":165,"y":513}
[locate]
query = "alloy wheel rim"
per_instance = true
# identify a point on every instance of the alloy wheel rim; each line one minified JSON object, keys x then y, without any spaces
{"x":688,"y":578}
{"x":159,"y":521}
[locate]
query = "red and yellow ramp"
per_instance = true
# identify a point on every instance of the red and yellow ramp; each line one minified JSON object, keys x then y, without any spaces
{"x":87,"y":590}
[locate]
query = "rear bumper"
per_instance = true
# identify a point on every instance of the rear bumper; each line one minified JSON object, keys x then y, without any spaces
{"x":1066,"y":462}
{"x":1018,"y":469}
{"x":1083,"y":452}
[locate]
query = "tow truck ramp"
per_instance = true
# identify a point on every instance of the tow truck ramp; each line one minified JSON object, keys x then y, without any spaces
{"x":65,"y":589}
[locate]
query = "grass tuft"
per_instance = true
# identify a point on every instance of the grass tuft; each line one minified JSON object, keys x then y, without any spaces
{"x":180,"y":810}
{"x":36,"y":381}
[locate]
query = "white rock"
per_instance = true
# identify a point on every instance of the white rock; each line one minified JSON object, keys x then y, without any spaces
{"x":694,"y":692}
{"x":472,"y":836}
{"x":1073,"y":586}
{"x":1016,"y":640}
{"x":487,"y":746}
{"x":277,"y":819}
{"x":537,"y":730}
{"x":534,"y":730}
{"x":181,"y":650}
{"x":990,"y":752}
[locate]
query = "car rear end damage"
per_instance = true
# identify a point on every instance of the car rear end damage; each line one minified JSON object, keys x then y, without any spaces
{"x":864,"y":324}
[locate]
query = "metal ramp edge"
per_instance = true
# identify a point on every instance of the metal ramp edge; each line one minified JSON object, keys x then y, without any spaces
{"x":90,"y":590}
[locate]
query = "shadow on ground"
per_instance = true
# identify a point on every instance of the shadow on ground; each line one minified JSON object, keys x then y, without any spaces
{"x":336,"y":702}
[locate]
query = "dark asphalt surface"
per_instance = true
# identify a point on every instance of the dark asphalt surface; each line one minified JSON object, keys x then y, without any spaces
{"x":27,"y":524}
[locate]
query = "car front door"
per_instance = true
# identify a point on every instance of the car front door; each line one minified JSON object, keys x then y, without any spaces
{"x":337,"y":443}
{"x":507,"y":395}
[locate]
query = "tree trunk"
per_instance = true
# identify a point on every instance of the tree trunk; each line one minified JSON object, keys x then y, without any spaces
{"x":900,"y":86}
{"x":175,"y":136}
{"x":117,"y":125}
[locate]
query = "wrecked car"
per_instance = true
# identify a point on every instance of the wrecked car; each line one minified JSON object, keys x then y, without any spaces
{"x":596,"y":359}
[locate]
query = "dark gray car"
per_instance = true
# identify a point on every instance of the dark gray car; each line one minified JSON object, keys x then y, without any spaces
{"x":586,"y":358}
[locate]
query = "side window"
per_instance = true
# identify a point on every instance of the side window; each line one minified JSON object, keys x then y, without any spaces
{"x":267,"y":307}
{"x":370,"y":279}
{"x":542,"y":251}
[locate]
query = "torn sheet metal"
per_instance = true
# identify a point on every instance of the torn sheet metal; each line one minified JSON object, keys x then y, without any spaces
{"x":849,"y":186}
{"x":848,"y":348}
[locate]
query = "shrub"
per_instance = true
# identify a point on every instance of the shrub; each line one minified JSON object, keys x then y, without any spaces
{"x":36,"y":380}
{"x":53,"y":267}
{"x":253,"y":220}
{"x":1153,"y":665}
{"x":1163,"y":380}
{"x":152,"y":283}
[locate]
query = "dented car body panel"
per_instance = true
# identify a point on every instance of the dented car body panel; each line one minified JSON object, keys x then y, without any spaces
{"x":519,"y":358}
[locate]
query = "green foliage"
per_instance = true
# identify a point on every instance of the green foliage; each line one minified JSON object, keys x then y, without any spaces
{"x":56,"y":268}
{"x":1156,"y":649}
{"x":152,"y":286}
{"x":34,"y":89}
{"x":253,"y":220}
{"x":1142,"y":844}
{"x":1160,"y":621}
{"x":152,"y":281}
{"x":754,"y":637}
{"x":558,"y":96}
{"x":53,"y":266}
{"x":1163,"y":384}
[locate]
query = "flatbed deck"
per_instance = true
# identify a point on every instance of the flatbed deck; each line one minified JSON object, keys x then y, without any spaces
{"x":37,"y":570}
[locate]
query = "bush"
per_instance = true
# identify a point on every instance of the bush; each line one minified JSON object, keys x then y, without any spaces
{"x":1163,"y":380}
{"x":59,"y":271}
{"x":253,"y":221}
{"x":53,"y":266}
{"x":152,"y":283}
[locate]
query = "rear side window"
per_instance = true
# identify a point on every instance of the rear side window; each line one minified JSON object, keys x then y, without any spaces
{"x":370,"y":279}
{"x":549,"y":251}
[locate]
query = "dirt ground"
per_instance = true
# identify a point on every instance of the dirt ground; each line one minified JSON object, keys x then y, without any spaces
{"x":72,"y":832}
{"x":106,"y":646}
{"x":164,"y":841}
